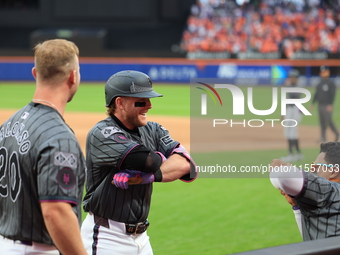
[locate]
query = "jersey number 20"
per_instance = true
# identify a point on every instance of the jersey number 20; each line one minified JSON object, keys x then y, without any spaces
{"x":9,"y":166}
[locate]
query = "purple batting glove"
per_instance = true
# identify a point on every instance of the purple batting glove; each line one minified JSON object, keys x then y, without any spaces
{"x":141,"y":178}
{"x":147,"y":178}
{"x":121,"y":179}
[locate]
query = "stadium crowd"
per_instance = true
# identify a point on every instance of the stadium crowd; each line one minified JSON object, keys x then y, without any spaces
{"x":263,"y":26}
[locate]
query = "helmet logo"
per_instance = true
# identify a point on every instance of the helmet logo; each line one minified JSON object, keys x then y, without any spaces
{"x":137,"y":89}
{"x":150,"y":82}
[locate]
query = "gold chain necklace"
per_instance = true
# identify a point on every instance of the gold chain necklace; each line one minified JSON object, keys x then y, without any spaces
{"x":44,"y":101}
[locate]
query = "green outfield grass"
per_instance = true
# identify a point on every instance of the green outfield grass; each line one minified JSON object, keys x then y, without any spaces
{"x":90,"y":98}
{"x":210,"y":215}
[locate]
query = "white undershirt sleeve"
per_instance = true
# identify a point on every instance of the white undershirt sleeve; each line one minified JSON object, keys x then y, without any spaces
{"x":298,"y":220}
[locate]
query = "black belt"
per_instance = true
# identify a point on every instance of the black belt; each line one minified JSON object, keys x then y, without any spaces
{"x":25,"y":242}
{"x":29,"y":243}
{"x":131,"y":229}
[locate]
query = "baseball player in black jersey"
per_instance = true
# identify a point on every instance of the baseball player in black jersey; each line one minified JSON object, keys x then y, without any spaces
{"x":314,"y":193}
{"x":124,"y":154}
{"x":324,"y":96}
{"x":42,"y":168}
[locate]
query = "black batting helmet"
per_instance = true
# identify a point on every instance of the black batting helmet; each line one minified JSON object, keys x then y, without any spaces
{"x":130,"y":84}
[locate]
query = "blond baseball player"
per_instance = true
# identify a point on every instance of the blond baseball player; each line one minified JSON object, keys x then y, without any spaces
{"x":122,"y":150}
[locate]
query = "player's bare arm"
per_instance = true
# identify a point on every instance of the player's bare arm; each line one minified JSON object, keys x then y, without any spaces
{"x":174,"y":168}
{"x":62,"y":225}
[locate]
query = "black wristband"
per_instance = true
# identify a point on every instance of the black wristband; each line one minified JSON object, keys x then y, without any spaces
{"x":158,"y":175}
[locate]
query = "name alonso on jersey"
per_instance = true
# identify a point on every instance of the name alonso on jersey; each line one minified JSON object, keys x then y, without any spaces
{"x":17,"y":131}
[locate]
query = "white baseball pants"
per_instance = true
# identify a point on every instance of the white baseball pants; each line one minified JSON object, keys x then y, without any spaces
{"x":8,"y":246}
{"x":99,"y":240}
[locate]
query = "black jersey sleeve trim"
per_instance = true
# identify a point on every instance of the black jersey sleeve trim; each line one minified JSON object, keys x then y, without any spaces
{"x":70,"y":200}
{"x":169,"y":152}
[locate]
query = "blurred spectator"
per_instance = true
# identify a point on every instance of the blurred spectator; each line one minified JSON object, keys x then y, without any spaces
{"x":265,"y":26}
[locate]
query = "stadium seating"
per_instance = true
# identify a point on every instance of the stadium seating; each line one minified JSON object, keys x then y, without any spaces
{"x":284,"y":26}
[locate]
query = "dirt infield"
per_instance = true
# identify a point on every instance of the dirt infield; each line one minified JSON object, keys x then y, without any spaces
{"x":235,"y":139}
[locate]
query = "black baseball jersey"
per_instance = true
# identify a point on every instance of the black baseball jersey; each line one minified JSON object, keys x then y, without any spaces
{"x":325,"y":92}
{"x":107,"y":145}
{"x":40,"y":161}
{"x":319,"y":202}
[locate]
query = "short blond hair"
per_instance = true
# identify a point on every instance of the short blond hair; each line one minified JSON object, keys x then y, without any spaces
{"x":110,"y":110}
{"x":55,"y":59}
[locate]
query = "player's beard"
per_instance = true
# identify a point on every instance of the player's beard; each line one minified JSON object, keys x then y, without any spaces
{"x":135,"y":121}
